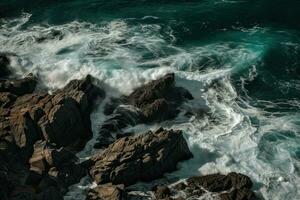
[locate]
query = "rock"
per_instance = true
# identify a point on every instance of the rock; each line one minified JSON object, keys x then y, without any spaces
{"x":124,"y":116}
{"x":19,"y":86}
{"x":156,"y":101}
{"x":140,"y":158}
{"x":163,"y":88}
{"x":233,"y":186}
{"x":62,"y":118}
{"x":58,"y":163}
{"x":4,"y":63}
{"x":107,"y":192}
{"x":26,"y":119}
{"x":4,"y":179}
{"x":51,"y":193}
{"x":162,"y":192}
{"x":46,"y":155}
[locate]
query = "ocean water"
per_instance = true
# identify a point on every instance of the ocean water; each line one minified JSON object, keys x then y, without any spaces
{"x":239,"y":58}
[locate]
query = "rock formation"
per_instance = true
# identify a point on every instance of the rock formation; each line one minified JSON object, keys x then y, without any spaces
{"x":156,"y":101}
{"x":233,"y":186}
{"x":140,"y":158}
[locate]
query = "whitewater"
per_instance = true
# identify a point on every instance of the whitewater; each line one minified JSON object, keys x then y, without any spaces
{"x":225,"y":132}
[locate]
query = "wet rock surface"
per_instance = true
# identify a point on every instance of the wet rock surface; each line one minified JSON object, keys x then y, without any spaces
{"x":19,"y":87}
{"x":140,"y":158}
{"x":157,"y":101}
{"x":233,"y":186}
{"x":4,"y":63}
{"x":37,"y":132}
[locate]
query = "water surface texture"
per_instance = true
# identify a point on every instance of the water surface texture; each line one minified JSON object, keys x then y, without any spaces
{"x":240,"y":58}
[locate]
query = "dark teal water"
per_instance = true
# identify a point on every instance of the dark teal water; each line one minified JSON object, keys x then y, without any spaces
{"x":242,"y":57}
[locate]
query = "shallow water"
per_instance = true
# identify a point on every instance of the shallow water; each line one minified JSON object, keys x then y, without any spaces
{"x":239,"y":58}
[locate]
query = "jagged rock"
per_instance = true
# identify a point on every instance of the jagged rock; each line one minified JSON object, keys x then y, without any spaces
{"x":154,"y":102}
{"x":46,"y":155}
{"x":162,"y":192}
{"x":107,"y":192}
{"x":4,"y":62}
{"x":62,"y":118}
{"x":233,"y":186}
{"x":140,"y":158}
{"x":19,"y":86}
{"x":57,"y":163}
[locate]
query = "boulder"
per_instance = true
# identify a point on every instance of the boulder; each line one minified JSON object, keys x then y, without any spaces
{"x":4,"y":63}
{"x":161,"y":192}
{"x":62,"y":118}
{"x":156,"y":101}
{"x":19,"y":86}
{"x":233,"y":186}
{"x":107,"y":192}
{"x":57,"y":163}
{"x":140,"y":158}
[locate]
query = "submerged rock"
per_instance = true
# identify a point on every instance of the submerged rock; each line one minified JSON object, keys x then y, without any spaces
{"x":19,"y":86}
{"x":4,"y":63}
{"x":140,"y":158}
{"x":233,"y":186}
{"x":156,"y":101}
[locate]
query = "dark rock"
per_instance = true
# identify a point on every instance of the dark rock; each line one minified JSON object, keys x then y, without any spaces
{"x":233,"y":186}
{"x":60,"y":164}
{"x":51,"y":193}
{"x":4,"y":63}
{"x":162,"y":192}
{"x":19,"y":86}
{"x":156,"y":101}
{"x":62,"y":118}
{"x":140,"y":158}
{"x":5,"y":187}
{"x":107,"y":192}
{"x":23,"y":193}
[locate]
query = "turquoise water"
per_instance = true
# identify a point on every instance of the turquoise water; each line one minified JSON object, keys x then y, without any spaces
{"x":240,"y":58}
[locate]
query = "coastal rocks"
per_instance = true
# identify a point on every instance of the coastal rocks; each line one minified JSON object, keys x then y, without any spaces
{"x":29,"y":122}
{"x":4,"y":62}
{"x":156,"y":101}
{"x":107,"y":192}
{"x":59,"y":164}
{"x":140,"y":158}
{"x":233,"y":186}
{"x":46,"y":155}
{"x":62,"y":118}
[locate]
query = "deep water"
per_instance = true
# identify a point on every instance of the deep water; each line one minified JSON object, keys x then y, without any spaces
{"x":240,"y":58}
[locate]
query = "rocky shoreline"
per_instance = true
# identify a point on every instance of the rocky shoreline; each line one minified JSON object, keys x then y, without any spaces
{"x":41,"y":132}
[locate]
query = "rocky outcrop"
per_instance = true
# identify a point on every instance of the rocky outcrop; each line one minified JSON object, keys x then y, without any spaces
{"x":140,"y":158}
{"x":58,"y":164}
{"x":4,"y":63}
{"x":62,"y":118}
{"x":107,"y":192}
{"x":233,"y":186}
{"x":156,"y":101}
